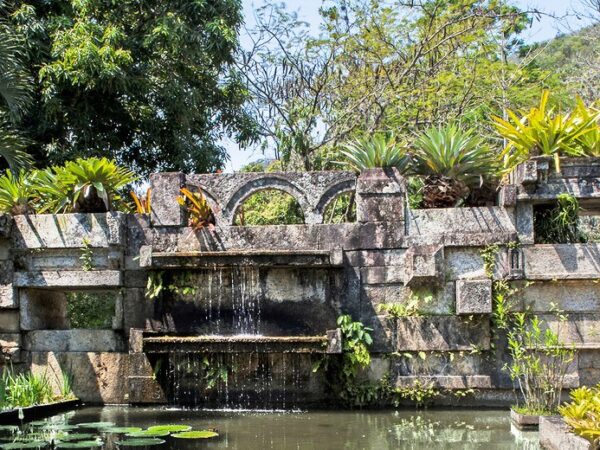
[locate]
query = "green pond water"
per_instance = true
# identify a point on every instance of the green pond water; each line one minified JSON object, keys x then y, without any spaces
{"x":318,"y":430}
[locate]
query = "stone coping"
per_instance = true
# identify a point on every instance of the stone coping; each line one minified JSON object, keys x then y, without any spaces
{"x":35,"y":412}
{"x":556,"y":435}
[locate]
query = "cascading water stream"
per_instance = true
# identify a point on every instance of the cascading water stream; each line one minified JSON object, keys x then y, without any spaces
{"x":230,"y":302}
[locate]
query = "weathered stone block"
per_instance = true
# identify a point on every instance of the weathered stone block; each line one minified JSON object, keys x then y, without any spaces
{"x":165,"y":190}
{"x":381,"y":181}
{"x":68,"y":230}
{"x":442,"y":333}
{"x":474,"y":297}
{"x":136,"y":341}
{"x":5,"y":225}
{"x":562,"y":261}
{"x":73,"y":341}
{"x":9,"y":321}
{"x":138,"y":309}
{"x":96,"y":377}
{"x":10,"y":347}
{"x":43,"y":309}
{"x":8,"y":296}
{"x":463,"y":262}
{"x":380,"y":208}
{"x":145,"y":390}
{"x":424,"y":265}
{"x":69,"y":279}
{"x":447,"y":381}
{"x":569,"y":296}
{"x":382,"y":274}
{"x":5,"y":249}
{"x":507,"y":197}
{"x":375,"y":258}
{"x":556,"y":435}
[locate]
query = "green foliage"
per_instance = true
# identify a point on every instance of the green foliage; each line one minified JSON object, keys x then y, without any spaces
{"x":90,"y":310}
{"x":420,"y":393}
{"x":341,"y":210}
{"x":18,"y":192}
{"x":454,"y":153}
{"x":87,"y":256}
{"x":154,"y":285}
{"x":380,"y":150}
{"x":199,"y":211}
{"x":558,"y":224}
{"x":543,"y":131}
{"x":539,"y":362}
{"x":84,"y":185}
{"x":488,"y":255}
{"x":582,"y":413}
{"x":150,"y":85}
{"x":341,"y":373}
{"x":23,"y":389}
{"x":269,"y":207}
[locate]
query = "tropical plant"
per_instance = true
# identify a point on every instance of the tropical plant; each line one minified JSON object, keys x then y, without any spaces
{"x":143,"y":203}
{"x":543,"y":131}
{"x":582,"y":413}
{"x":18,"y":192}
{"x":589,"y":141}
{"x":342,"y":373}
{"x":85,"y":185}
{"x":381,"y":150}
{"x":199,"y":212}
{"x":451,"y":161}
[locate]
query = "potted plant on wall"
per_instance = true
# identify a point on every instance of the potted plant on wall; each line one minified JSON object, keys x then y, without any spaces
{"x":544,"y":132}
{"x":451,"y":162}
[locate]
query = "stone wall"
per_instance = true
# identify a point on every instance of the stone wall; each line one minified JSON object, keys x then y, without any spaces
{"x":302,"y":277}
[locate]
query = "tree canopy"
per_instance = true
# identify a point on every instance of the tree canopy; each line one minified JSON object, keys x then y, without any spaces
{"x":150,"y":83}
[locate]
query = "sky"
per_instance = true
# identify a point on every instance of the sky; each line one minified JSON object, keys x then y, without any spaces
{"x":308,"y":10}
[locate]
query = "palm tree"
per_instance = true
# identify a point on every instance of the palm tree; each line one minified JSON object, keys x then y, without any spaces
{"x":15,"y":94}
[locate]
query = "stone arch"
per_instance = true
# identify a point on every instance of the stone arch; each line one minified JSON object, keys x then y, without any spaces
{"x":267,"y":182}
{"x":333,"y":192}
{"x":211,"y":199}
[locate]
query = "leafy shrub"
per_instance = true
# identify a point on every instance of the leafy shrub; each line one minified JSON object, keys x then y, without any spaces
{"x":90,"y":310}
{"x":543,"y":131}
{"x":269,"y":207}
{"x":381,"y":150}
{"x":582,"y":413}
{"x":451,"y":161}
{"x":142,"y":202}
{"x":199,"y":212}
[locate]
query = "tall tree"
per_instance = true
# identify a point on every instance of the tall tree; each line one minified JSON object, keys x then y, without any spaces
{"x":15,"y":90}
{"x":148,"y":83}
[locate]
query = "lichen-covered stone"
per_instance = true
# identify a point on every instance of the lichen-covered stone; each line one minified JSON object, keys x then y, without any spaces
{"x":9,"y":321}
{"x":73,"y":341}
{"x":5,"y":225}
{"x":474,"y":297}
{"x":424,"y":265}
{"x":68,"y":279}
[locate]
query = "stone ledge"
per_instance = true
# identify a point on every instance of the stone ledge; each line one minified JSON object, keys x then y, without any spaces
{"x":442,"y":333}
{"x":556,"y":435}
{"x":562,"y":261}
{"x":68,"y":230}
{"x":474,"y":297}
{"x":73,"y":341}
{"x":68,"y":279}
{"x":447,"y":381}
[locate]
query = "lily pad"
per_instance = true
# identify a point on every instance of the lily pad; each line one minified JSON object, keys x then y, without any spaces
{"x":19,"y":445}
{"x":59,"y":427}
{"x":80,"y":444}
{"x":148,"y":433}
{"x":140,"y":442}
{"x":170,"y":428}
{"x":121,"y":430}
{"x":203,"y":434}
{"x":96,"y":425}
{"x":76,"y":437}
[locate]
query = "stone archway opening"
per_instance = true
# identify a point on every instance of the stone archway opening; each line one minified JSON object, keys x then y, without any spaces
{"x":269,"y":206}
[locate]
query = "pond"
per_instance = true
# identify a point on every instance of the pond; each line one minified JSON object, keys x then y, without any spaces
{"x":318,"y":430}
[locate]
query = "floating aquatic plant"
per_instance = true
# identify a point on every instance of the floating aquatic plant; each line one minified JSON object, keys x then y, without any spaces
{"x":80,"y":444}
{"x":76,"y":437}
{"x":140,"y":442}
{"x":96,"y":425}
{"x":148,"y":433}
{"x":122,"y":430}
{"x":203,"y":434}
{"x":170,"y":428}
{"x":20,"y":445}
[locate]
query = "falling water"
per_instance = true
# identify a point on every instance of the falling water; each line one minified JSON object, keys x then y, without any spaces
{"x":229,"y":301}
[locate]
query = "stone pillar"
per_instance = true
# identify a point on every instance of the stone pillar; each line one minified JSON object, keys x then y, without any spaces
{"x":380,"y":196}
{"x":10,"y":337}
{"x":166,"y":211}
